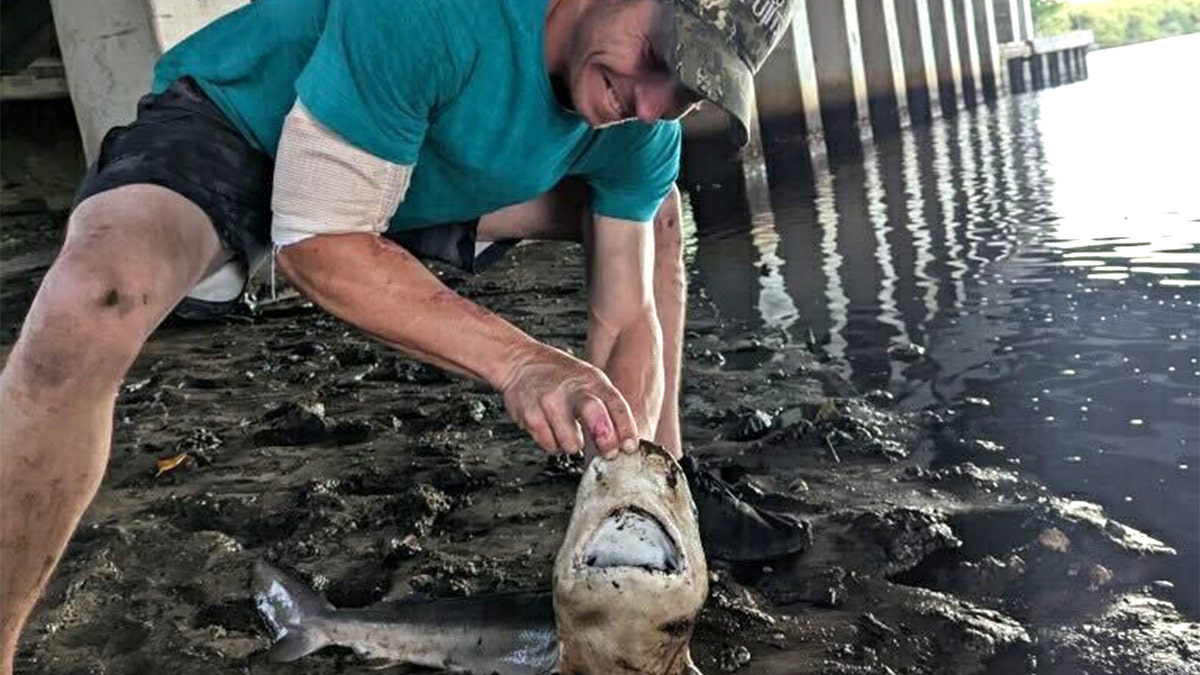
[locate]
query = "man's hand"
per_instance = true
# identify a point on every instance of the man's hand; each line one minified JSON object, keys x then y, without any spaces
{"x":551,"y":395}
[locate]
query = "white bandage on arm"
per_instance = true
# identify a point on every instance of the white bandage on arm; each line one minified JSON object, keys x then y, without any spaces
{"x":325,"y":185}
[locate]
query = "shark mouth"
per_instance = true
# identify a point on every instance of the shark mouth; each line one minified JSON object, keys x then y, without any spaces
{"x":632,"y":538}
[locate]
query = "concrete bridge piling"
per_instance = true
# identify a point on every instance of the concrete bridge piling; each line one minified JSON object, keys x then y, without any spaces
{"x":919,"y":58}
{"x":841,"y":76}
{"x":883,"y":59}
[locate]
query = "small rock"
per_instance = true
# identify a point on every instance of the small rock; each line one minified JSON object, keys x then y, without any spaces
{"x":397,"y":548}
{"x":879,"y":397}
{"x":1054,"y":539}
{"x":356,"y":355}
{"x":907,"y":352}
{"x":352,"y":431}
{"x":476,"y":410}
{"x":1098,"y":576}
{"x":733,"y":658}
{"x":293,"y":424}
{"x":751,"y":426}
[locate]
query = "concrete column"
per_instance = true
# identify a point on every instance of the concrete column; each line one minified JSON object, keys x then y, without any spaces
{"x":920,"y":62}
{"x":109,"y":48}
{"x":1026,"y":12}
{"x":1018,"y":76}
{"x":174,"y":20}
{"x":1039,"y":72}
{"x":789,"y":104}
{"x":108,"y":51}
{"x":1067,"y":58}
{"x":883,"y":62}
{"x":837,"y":53}
{"x":968,"y":50}
{"x":1007,"y":21}
{"x":992,"y":70}
{"x":945,"y":40}
{"x":1054,"y":67}
{"x":1081,"y":62}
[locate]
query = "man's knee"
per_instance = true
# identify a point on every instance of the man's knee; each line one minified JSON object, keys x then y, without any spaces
{"x":90,"y":317}
{"x":75,"y":335}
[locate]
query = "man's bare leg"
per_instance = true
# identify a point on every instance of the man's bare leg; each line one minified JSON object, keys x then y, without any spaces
{"x":670,"y":299}
{"x":130,"y":255}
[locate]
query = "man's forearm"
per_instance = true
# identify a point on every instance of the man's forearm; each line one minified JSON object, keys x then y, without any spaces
{"x":383,"y":290}
{"x":631,"y":356}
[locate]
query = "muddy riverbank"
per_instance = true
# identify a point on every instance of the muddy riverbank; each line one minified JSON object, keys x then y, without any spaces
{"x":286,"y":436}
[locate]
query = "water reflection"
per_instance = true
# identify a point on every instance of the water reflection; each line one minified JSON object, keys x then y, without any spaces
{"x":1042,"y":262}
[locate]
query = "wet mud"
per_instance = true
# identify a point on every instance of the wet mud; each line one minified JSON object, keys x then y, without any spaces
{"x":284,"y":435}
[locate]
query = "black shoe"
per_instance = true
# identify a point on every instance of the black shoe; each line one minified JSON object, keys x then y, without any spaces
{"x":197,"y":310}
{"x":731,"y":529}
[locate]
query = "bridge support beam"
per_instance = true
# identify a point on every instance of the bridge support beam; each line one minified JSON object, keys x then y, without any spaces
{"x":109,"y":48}
{"x":836,"y":40}
{"x":789,"y":102}
{"x":1008,"y":21}
{"x":1040,"y":69}
{"x":992,"y":72}
{"x":949,"y":67}
{"x":883,"y":60}
{"x":968,"y":51}
{"x":920,"y":61}
{"x":1027,"y":29}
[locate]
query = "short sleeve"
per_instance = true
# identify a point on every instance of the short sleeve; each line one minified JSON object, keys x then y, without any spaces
{"x":380,"y":70}
{"x":639,"y":165}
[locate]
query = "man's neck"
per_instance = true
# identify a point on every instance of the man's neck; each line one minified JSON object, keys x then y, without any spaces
{"x":560,"y":24}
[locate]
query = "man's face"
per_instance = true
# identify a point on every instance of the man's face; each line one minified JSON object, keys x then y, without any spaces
{"x":615,"y":67}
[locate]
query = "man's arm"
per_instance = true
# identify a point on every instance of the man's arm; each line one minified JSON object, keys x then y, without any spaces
{"x":331,"y":200}
{"x":382,"y":289}
{"x":624,"y":337}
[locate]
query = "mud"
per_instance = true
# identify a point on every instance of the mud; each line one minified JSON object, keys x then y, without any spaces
{"x":284,"y":435}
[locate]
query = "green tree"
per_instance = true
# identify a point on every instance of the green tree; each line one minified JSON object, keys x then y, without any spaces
{"x":1050,"y":17}
{"x":1120,"y":22}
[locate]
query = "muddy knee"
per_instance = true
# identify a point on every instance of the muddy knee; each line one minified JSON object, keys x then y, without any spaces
{"x":86,"y":325}
{"x":75,"y":339}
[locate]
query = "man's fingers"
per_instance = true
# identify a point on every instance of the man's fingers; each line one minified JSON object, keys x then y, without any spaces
{"x":566,"y":430}
{"x":537,"y":427}
{"x":622,"y":418}
{"x":594,"y":416}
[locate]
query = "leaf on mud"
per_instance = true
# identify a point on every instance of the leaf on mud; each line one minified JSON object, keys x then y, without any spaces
{"x":828,"y":411}
{"x":165,"y":465}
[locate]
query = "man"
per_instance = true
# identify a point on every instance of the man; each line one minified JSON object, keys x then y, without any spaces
{"x":390,"y":129}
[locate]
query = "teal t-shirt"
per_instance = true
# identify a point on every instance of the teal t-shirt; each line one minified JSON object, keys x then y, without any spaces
{"x":457,"y":88}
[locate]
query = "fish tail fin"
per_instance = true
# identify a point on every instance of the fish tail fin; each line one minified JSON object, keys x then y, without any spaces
{"x":292,"y":612}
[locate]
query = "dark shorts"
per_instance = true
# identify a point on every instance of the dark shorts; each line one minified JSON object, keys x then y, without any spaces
{"x":181,"y":141}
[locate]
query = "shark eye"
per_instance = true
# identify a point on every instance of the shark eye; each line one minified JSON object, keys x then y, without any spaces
{"x":632,"y":538}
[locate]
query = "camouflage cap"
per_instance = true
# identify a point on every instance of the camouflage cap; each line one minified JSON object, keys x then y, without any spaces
{"x":716,"y":46}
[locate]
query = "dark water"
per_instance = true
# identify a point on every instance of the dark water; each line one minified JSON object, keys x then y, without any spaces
{"x":1044,"y":250}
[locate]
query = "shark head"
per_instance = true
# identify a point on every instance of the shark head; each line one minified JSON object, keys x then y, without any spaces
{"x":630,"y":578}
